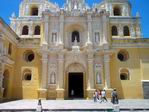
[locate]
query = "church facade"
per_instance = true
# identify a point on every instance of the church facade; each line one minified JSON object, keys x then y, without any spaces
{"x":58,"y":53}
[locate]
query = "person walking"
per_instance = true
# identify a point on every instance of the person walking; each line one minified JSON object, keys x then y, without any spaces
{"x":39,"y":107}
{"x":95,"y":95}
{"x":103,"y":96}
{"x":114,"y":97}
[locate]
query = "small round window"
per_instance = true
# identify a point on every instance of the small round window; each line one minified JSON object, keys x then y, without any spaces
{"x":29,"y":56}
{"x":123,"y":55}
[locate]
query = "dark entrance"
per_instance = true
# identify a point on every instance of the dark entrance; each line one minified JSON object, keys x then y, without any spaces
{"x":75,"y":85}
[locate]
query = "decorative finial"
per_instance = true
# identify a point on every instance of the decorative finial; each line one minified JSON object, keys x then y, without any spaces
{"x":13,"y":15}
{"x":137,"y":14}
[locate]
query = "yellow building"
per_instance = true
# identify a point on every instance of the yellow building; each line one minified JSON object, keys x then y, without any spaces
{"x":53,"y":53}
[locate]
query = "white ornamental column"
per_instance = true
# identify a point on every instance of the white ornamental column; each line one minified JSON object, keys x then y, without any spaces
{"x":61,"y":20}
{"x":60,"y":81}
{"x":91,"y":79}
{"x":107,"y":71}
{"x":43,"y":84}
{"x":46,"y":29}
{"x":89,"y":20}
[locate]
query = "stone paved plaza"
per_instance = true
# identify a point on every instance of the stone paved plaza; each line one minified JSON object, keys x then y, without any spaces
{"x":75,"y":105}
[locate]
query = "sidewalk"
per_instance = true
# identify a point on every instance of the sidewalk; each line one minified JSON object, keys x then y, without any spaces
{"x":71,"y":105}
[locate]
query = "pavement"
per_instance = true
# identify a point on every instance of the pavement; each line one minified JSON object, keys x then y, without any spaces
{"x":139,"y":105}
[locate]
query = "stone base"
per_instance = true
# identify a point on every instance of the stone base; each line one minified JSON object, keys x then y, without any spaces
{"x":108,"y":92}
{"x":42,"y":93}
{"x":90,"y":93}
{"x":60,"y":94}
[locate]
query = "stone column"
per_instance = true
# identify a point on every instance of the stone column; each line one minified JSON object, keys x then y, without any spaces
{"x":46,"y":29}
{"x":43,"y":85}
{"x":31,"y":29}
{"x":90,"y":85}
{"x":107,"y":70}
{"x":61,"y":34}
{"x":132,"y":30}
{"x":120,"y":30}
{"x":105,"y":28}
{"x":89,"y":20}
{"x":60,"y":81}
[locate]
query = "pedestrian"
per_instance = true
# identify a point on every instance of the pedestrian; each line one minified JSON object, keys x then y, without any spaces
{"x":39,"y":107}
{"x":99,"y":95}
{"x":103,"y":96}
{"x":114,"y":97}
{"x":95,"y":95}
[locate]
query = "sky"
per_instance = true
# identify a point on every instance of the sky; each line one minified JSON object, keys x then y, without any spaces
{"x":7,"y":7}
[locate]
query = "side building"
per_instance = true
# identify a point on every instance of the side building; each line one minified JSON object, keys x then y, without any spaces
{"x":50,"y":51}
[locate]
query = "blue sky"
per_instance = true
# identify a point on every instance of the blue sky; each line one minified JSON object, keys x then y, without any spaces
{"x":141,"y":6}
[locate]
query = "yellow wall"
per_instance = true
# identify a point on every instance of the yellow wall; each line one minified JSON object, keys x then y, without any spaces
{"x":26,"y":89}
{"x":127,"y":88}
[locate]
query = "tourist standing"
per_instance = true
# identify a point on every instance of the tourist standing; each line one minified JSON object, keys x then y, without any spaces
{"x":95,"y":95}
{"x":39,"y":107}
{"x":103,"y":96}
{"x":114,"y":97}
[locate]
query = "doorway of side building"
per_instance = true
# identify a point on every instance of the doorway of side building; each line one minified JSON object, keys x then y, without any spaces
{"x":75,"y":85}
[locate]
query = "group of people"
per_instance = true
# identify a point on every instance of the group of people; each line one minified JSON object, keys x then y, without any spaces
{"x":100,"y":95}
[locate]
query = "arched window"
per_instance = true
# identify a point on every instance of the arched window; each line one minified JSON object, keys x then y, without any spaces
{"x":25,"y":30}
{"x":114,"y":31}
{"x":126,"y":31}
{"x":117,"y":11}
{"x":10,"y":49}
{"x":124,"y":74}
{"x":27,"y":75}
{"x":75,"y":36}
{"x":37,"y":30}
{"x":34,"y":11}
{"x":123,"y":55}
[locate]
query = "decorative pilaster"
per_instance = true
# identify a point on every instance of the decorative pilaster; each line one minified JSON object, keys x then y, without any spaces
{"x":43,"y":85}
{"x":107,"y":70}
{"x":61,"y":35}
{"x":90,"y":85}
{"x":31,"y":29}
{"x":132,"y":30}
{"x":1,"y":79}
{"x":120,"y":30}
{"x":89,"y":20}
{"x":105,"y":28}
{"x":60,"y":77}
{"x":46,"y":29}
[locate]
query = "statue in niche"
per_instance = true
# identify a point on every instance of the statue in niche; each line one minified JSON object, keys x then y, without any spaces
{"x":53,"y":78}
{"x":98,"y":78}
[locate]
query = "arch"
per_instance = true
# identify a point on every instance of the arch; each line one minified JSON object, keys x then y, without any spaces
{"x":25,"y":30}
{"x":6,"y":83}
{"x":117,"y":11}
{"x":75,"y":36}
{"x":75,"y":67}
{"x":37,"y":30}
{"x":34,"y":11}
{"x":124,"y":74}
{"x":114,"y":31}
{"x":126,"y":31}
{"x":27,"y":75}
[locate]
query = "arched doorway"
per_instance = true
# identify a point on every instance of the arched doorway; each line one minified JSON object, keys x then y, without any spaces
{"x":5,"y":83}
{"x":75,"y":81}
{"x":75,"y":36}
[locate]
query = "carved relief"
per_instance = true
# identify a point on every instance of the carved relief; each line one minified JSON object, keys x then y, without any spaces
{"x":52,"y":74}
{"x":98,"y":73}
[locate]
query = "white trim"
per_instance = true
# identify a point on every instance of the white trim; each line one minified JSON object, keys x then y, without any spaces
{"x":144,"y":80}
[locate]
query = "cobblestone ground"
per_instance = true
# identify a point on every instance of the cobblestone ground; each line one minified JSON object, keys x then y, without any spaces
{"x":75,"y":106}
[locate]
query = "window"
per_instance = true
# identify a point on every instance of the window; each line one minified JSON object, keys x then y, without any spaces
{"x":126,"y":31}
{"x":117,"y":11}
{"x":97,"y":37}
{"x":29,"y":56}
{"x":123,"y":55}
{"x":114,"y":31}
{"x":34,"y":11}
{"x":37,"y":30}
{"x":75,"y":36}
{"x":54,"y":37}
{"x":25,"y":30}
{"x":27,"y":75}
{"x":124,"y":74}
{"x":10,"y":49}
